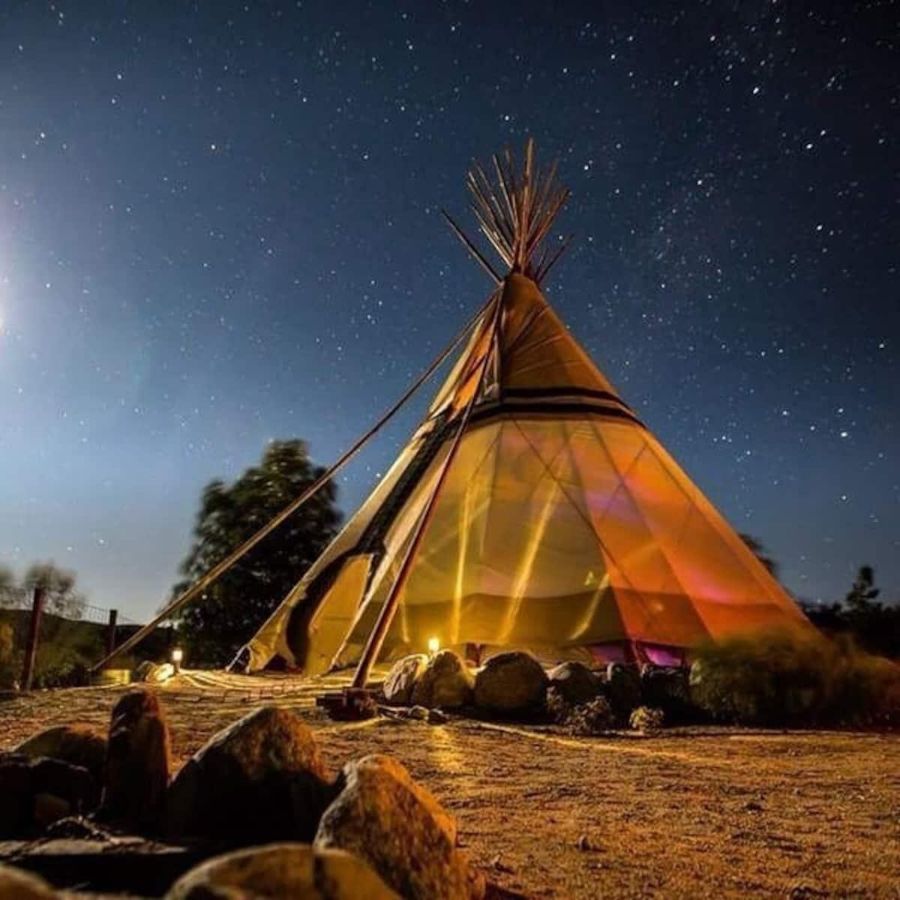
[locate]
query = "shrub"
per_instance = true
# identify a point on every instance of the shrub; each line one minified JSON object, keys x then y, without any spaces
{"x":8,"y":658}
{"x":646,"y":719}
{"x":558,"y":708}
{"x":593,"y":717}
{"x":782,"y":679}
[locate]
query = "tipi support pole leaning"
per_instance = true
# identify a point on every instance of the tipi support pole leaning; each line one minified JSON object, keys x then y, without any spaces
{"x":220,"y":568}
{"x":34,"y":631}
{"x":386,"y":616}
{"x":111,"y":632}
{"x":476,"y":254}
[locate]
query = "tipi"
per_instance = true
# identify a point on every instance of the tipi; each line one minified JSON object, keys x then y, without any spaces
{"x":531,"y":508}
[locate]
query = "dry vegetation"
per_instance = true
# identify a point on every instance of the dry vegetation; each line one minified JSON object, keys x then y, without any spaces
{"x":696,"y":811}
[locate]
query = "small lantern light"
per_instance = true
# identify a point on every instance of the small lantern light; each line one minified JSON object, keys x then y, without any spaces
{"x":177,"y":657}
{"x":433,"y":645}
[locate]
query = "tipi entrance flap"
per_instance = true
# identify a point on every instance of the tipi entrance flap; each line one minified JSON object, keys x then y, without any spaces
{"x":336,"y":613}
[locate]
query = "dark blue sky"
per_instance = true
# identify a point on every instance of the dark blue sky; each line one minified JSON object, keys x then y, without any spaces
{"x":220,"y":225}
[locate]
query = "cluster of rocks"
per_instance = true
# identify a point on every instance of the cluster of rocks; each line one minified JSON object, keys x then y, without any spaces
{"x":507,"y":684}
{"x":371,"y":831}
{"x":78,"y":770}
{"x":515,"y":684}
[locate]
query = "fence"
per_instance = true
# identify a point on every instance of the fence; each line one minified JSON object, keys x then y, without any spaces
{"x":79,"y":634}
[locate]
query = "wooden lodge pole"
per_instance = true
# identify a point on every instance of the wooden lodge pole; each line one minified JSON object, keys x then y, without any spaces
{"x":111,"y":632}
{"x":34,"y":630}
{"x":385,"y":617}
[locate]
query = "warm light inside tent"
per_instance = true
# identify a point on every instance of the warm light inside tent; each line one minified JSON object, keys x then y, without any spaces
{"x":177,"y":657}
{"x":433,"y":645}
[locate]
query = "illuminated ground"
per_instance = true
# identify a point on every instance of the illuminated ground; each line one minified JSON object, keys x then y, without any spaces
{"x":706,"y":811}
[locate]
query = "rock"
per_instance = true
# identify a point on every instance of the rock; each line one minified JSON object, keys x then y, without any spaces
{"x":37,"y":792}
{"x":161,"y":673}
{"x":668,"y":689}
{"x":282,"y":870}
{"x":575,"y":682}
{"x":77,"y":828}
{"x":115,"y":866}
{"x":446,"y":682}
{"x":48,"y":808}
{"x":436,"y":717}
{"x":18,"y":885}
{"x":558,"y":708}
{"x":584,"y":843}
{"x":418,"y":712}
{"x":623,"y":688}
{"x":73,"y":784}
{"x":513,"y":682}
{"x":153,"y":673}
{"x":138,"y":761}
{"x":591,"y":718}
{"x":142,"y":669}
{"x":80,"y":744}
{"x":397,"y":826}
{"x":398,"y":686}
{"x":17,"y":796}
{"x":260,"y":780}
{"x":646,"y":720}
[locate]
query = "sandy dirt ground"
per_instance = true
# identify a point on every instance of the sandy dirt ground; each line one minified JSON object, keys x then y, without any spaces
{"x":695,"y":812}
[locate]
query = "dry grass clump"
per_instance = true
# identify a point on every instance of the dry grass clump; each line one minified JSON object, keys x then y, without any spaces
{"x":646,"y":720}
{"x":784,"y":679}
{"x":593,"y":717}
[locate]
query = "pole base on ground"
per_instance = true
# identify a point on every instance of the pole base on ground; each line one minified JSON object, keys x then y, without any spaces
{"x":349,"y":705}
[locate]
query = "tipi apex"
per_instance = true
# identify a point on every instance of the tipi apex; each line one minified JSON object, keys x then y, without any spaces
{"x":531,"y":508}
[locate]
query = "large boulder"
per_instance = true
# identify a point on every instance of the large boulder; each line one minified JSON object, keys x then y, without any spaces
{"x":16,"y":805}
{"x":511,"y":683}
{"x":623,"y":688}
{"x":138,"y":761}
{"x":282,"y":870}
{"x":446,"y":682}
{"x":79,"y":744}
{"x":18,"y":885}
{"x":575,"y":683}
{"x":398,"y":686}
{"x":259,"y":780}
{"x":36,"y":792}
{"x":397,"y":826}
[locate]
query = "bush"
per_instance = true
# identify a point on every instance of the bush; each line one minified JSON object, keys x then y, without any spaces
{"x":593,"y":717}
{"x":646,"y":719}
{"x":558,"y":708}
{"x":782,"y":679}
{"x":8,"y":659}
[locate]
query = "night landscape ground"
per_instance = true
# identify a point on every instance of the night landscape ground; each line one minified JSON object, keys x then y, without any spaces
{"x":700,"y":811}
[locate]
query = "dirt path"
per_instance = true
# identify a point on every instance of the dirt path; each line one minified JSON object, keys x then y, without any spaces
{"x":701,"y":812}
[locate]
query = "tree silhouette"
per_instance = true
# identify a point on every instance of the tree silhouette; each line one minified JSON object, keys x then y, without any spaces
{"x":219,"y":622}
{"x":758,"y":549}
{"x":863,"y":592}
{"x":62,"y":598}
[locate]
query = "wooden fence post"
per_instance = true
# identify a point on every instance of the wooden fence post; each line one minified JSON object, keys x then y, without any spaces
{"x":111,"y":632}
{"x":34,"y":631}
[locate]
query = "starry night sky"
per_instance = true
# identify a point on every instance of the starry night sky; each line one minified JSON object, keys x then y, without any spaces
{"x":219,"y":225}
